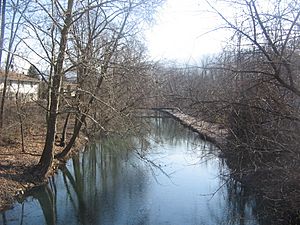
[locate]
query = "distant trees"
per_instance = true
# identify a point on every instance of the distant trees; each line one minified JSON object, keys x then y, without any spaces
{"x":264,"y":111}
{"x":252,"y":88}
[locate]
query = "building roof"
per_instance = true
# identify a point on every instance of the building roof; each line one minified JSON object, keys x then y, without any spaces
{"x":13,"y":76}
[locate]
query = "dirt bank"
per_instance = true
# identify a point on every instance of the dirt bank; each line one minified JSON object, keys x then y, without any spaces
{"x":15,"y":165}
{"x":208,"y":131}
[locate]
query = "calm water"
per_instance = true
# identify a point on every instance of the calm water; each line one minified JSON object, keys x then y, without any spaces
{"x":170,"y":177}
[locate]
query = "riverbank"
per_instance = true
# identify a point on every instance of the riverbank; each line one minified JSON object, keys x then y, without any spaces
{"x":277,"y":188}
{"x":15,"y":175}
{"x":207,"y":131}
{"x":158,"y":179}
{"x":15,"y":164}
{"x":16,"y":179}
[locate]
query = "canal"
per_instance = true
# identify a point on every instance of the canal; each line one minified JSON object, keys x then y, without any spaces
{"x":167,"y":175}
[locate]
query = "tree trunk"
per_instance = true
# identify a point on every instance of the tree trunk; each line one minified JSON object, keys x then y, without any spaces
{"x":3,"y":99}
{"x":19,"y":109}
{"x":64,"y":132}
{"x":7,"y":63}
{"x":47,"y":156}
{"x":75,"y":134}
{"x":104,"y":68}
{"x":3,"y":9}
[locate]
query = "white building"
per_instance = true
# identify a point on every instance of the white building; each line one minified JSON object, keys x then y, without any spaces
{"x":27,"y":87}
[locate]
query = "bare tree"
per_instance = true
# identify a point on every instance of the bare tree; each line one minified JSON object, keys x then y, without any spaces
{"x":252,"y":89}
{"x":108,"y":54}
{"x":3,"y":11}
{"x":16,"y":19}
{"x":97,"y":56}
{"x":47,"y":156}
{"x":271,"y":32}
{"x":79,"y":38}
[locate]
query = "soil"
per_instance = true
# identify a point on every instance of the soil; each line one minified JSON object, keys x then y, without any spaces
{"x":16,"y":165}
{"x":208,"y":131}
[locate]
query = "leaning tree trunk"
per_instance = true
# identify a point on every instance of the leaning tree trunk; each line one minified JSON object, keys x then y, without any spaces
{"x":46,"y":159}
{"x":80,"y":121}
{"x":75,"y":134}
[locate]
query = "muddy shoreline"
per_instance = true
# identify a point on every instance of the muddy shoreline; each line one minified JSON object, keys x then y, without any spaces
{"x":208,"y":131}
{"x":16,"y":179}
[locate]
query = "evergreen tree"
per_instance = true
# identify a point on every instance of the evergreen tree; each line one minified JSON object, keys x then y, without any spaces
{"x":33,"y":72}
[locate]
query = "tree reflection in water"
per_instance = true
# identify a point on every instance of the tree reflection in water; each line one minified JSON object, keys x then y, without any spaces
{"x":109,"y":184}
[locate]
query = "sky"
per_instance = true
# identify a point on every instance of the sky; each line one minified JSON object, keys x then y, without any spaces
{"x":182,"y":32}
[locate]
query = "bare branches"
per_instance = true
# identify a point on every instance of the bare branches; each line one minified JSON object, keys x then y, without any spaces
{"x":253,"y":90}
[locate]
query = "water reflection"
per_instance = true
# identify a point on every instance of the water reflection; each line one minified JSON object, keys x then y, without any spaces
{"x":167,"y":177}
